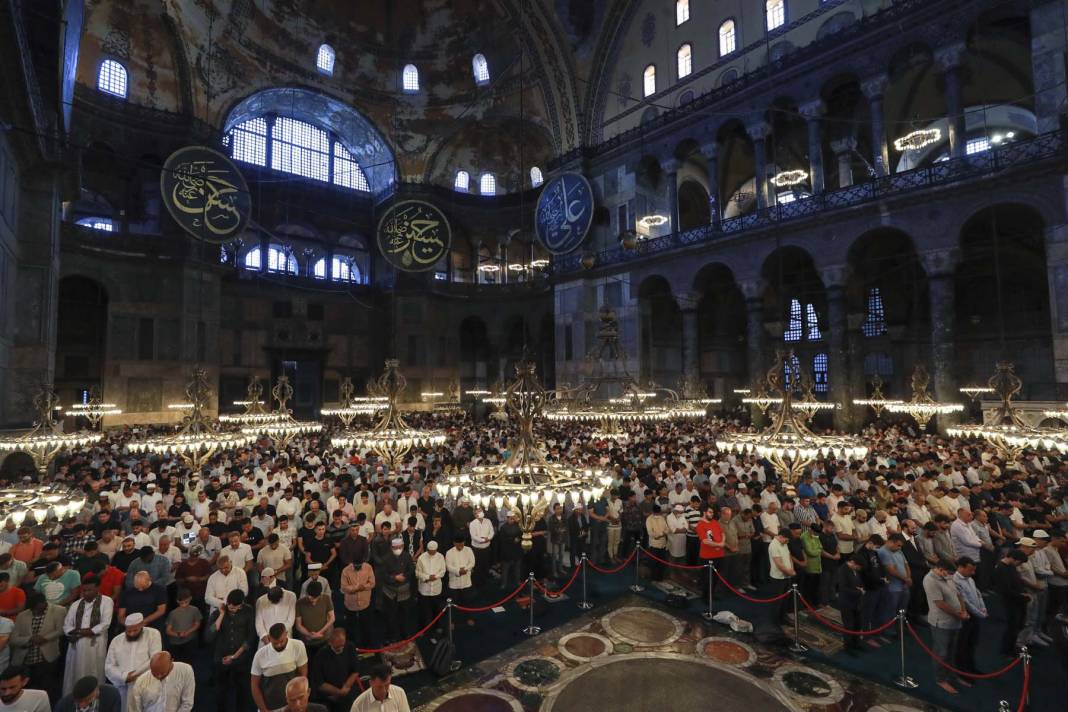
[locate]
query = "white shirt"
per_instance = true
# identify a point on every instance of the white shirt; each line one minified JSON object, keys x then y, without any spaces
{"x":131,"y":656}
{"x":239,"y":556}
{"x":30,"y":701}
{"x":426,"y":565}
{"x":267,"y":613}
{"x":220,"y":585}
{"x":288,"y":507}
{"x":456,"y":560}
{"x":270,"y":662}
{"x":396,"y":701}
{"x":393,"y":518}
{"x":481,"y":532}
{"x":173,"y":693}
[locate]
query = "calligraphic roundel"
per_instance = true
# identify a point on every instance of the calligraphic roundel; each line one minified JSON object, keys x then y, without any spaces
{"x":413,"y":235}
{"x":205,"y":193}
{"x":565,"y":213}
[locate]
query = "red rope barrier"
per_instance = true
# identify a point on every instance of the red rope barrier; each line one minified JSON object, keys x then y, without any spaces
{"x":741,"y":595}
{"x":566,"y":586}
{"x":617,"y":569}
{"x":483,"y":609}
{"x":1026,"y":684}
{"x":672,"y":564}
{"x":402,"y":643}
{"x":955,"y":671}
{"x":837,"y":628}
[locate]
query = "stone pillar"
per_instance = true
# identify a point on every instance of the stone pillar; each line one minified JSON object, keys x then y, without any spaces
{"x":948,"y":59}
{"x":1057,"y":268}
{"x":834,"y":280}
{"x":843,"y":152}
{"x":940,"y":266}
{"x":691,"y":344}
{"x":813,"y":113}
{"x":711,"y":153}
{"x":755,"y":338}
{"x":1049,"y":45}
{"x":758,"y":132}
{"x":671,"y":177}
{"x":873,"y":89}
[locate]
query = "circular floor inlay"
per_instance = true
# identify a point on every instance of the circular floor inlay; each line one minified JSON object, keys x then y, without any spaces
{"x":727,"y":651}
{"x":642,"y":626}
{"x":583,"y":646}
{"x":651,"y":681}
{"x":534,"y":673}
{"x":809,"y":685}
{"x":475,"y":700}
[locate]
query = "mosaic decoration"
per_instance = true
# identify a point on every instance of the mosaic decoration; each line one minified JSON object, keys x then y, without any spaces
{"x":205,"y":193}
{"x":413,"y":235}
{"x":535,"y":673}
{"x":564,"y":213}
{"x":476,"y":700}
{"x":585,"y":646}
{"x":808,"y":685}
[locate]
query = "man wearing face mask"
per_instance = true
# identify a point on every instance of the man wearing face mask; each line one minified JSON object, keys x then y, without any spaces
{"x":128,"y":654}
{"x":89,"y":695}
{"x":394,"y":574}
{"x":481,"y":530}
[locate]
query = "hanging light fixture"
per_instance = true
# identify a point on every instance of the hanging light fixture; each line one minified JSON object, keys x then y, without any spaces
{"x":923,"y":407}
{"x":788,"y":443}
{"x":391,"y":438}
{"x":915,"y":140}
{"x":876,"y":401}
{"x":283,"y":428}
{"x":760,"y":397}
{"x":974,"y":392}
{"x":46,"y":440}
{"x":787,"y":179}
{"x":526,"y":483}
{"x":253,"y":404}
{"x":197,"y":438}
{"x":94,"y":410}
{"x":350,"y":405}
{"x":808,"y":405}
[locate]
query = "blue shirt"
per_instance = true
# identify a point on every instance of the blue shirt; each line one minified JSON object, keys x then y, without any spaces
{"x":897,"y":559}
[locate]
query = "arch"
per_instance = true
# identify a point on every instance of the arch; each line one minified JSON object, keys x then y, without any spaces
{"x":81,"y":336}
{"x":359,"y":136}
{"x":684,"y":60}
{"x":462,"y":182}
{"x":794,"y":294}
{"x":721,"y":328}
{"x":728,"y":37}
{"x":694,"y":210}
{"x":480,"y":69}
{"x":649,"y":80}
{"x":410,"y":79}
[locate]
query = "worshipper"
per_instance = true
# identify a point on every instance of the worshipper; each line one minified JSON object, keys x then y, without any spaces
{"x":781,"y":573}
{"x":233,"y":628}
{"x":28,"y":548}
{"x":459,"y":562}
{"x":812,"y":571}
{"x":578,"y":535}
{"x":509,"y":553}
{"x":875,"y":581}
{"x":850,"y":599}
{"x":298,"y":694}
{"x":557,"y":539}
{"x":278,"y":605}
{"x":481,"y":533}
{"x":946,"y":611}
{"x":968,"y":638}
{"x":86,"y":625}
{"x":193,"y":573}
{"x":712,"y":551}
{"x":315,"y":573}
{"x":381,"y":695}
{"x":227,"y":578}
{"x":614,"y":529}
{"x":274,"y":665}
{"x":89,"y":695}
{"x":147,"y":598}
{"x":168,"y":686}
{"x":1014,"y":596}
{"x":357,"y":585}
{"x":744,"y":531}
{"x":394,"y":574}
{"x":16,"y":697}
{"x":59,"y":583}
{"x":677,"y":529}
{"x":335,"y":674}
{"x":34,"y":642}
{"x":183,"y":625}
{"x":656,"y":529}
{"x":129,"y":653}
{"x":314,"y":618}
{"x":899,"y":578}
{"x":275,"y":556}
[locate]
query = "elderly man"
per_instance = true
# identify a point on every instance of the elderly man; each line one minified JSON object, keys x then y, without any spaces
{"x":86,"y":626}
{"x":89,"y":695}
{"x":223,"y":581}
{"x":156,"y":565}
{"x":298,"y":692}
{"x":168,"y":687}
{"x":381,"y":696}
{"x":147,"y":598}
{"x":129,"y":654}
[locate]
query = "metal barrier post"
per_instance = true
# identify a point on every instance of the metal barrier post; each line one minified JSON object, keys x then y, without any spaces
{"x":532,"y":629}
{"x":797,"y":646}
{"x":711,"y":569}
{"x":636,"y":587}
{"x":584,"y":604}
{"x":903,"y":680}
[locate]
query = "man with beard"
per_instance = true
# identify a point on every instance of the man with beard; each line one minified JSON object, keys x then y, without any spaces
{"x":275,"y":664}
{"x":510,"y":551}
{"x":14,"y":695}
{"x":234,"y":633}
{"x":89,"y":695}
{"x":394,"y":576}
{"x":86,"y":626}
{"x":128,"y":654}
{"x":335,"y":674}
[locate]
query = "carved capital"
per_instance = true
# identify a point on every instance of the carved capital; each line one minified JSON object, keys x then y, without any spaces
{"x":811,"y":110}
{"x":844,"y":145}
{"x":949,"y":57}
{"x":688,"y":301}
{"x":875,"y":86}
{"x":940,"y":263}
{"x":669,"y":165}
{"x":710,"y":150}
{"x":834,"y":275}
{"x":758,"y":130}
{"x":752,"y":289}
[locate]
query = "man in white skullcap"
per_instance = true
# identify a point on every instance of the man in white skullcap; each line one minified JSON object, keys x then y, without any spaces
{"x":129,"y":654}
{"x":276,"y":606}
{"x":677,"y":529}
{"x":430,"y":573}
{"x":315,"y":573}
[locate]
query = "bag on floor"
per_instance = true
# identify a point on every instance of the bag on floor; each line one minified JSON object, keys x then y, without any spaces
{"x":442,"y":657}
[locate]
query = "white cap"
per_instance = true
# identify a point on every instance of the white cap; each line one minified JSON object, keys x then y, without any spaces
{"x":1040,"y":534}
{"x":397,"y":542}
{"x":267,"y":572}
{"x":187,"y":518}
{"x":134,"y":619}
{"x":1026,"y":541}
{"x":314,"y":567}
{"x":431,"y":545}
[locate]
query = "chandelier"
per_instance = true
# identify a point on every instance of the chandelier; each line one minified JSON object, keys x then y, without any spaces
{"x":526,"y":483}
{"x":391,"y":438}
{"x":197,"y":439}
{"x":788,"y":444}
{"x":974,"y":392}
{"x":1009,"y":433}
{"x":46,"y":439}
{"x":253,"y":404}
{"x":876,"y":401}
{"x":56,"y":499}
{"x":759,"y":396}
{"x":284,"y":427}
{"x":93,"y":410}
{"x":787,"y":179}
{"x":923,"y":407}
{"x":351,"y":405}
{"x":916,"y":140}
{"x":808,"y":405}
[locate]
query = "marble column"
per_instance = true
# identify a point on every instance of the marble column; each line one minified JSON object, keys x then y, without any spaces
{"x":1049,"y":46}
{"x":758,"y":132}
{"x":671,"y":177}
{"x":949,"y":59}
{"x":711,"y":153}
{"x":1057,"y":268}
{"x":874,"y":89}
{"x":940,"y":266}
{"x":834,"y":280}
{"x":753,"y":291}
{"x":843,"y":152}
{"x":691,"y":345}
{"x":813,"y":113}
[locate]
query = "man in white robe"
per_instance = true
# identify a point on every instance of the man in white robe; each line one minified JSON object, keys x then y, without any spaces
{"x":129,"y":654}
{"x":86,"y":626}
{"x":167,"y":687}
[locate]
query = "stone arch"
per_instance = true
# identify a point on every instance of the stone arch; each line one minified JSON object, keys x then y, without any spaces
{"x":694,"y":210}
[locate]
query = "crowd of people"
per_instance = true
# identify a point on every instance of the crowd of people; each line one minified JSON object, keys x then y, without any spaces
{"x":278,"y":564}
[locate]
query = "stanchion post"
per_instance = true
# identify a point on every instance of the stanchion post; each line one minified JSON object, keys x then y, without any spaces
{"x":1026,"y":657}
{"x":456,"y":663}
{"x":903,"y":680}
{"x":1003,"y":706}
{"x":797,"y":646}
{"x":584,"y":604}
{"x":636,"y":587}
{"x":710,"y":570}
{"x":531,"y":629}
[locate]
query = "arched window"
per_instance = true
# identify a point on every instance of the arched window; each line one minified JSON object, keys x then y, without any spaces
{"x":803,"y":323}
{"x":324,"y":60}
{"x":410,"y":79}
{"x":875,"y":322}
{"x":728,"y":40}
{"x":819,"y":373}
{"x":253,"y":259}
{"x":791,"y":372}
{"x":347,"y":172}
{"x":535,"y":177}
{"x":281,"y":259}
{"x":793,"y":330}
{"x":685,"y":57}
{"x":878,"y":364}
{"x":776,"y":13}
{"x":487,"y":184}
{"x":224,"y":254}
{"x":342,"y":269}
{"x":462,"y":182}
{"x":649,"y":81}
{"x":97,"y":223}
{"x":112,"y":78}
{"x":480,"y":68}
{"x":813,"y":324}
{"x":682,"y":11}
{"x":248,"y":141}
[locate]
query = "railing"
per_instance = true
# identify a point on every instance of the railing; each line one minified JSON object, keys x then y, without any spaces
{"x":999,"y":158}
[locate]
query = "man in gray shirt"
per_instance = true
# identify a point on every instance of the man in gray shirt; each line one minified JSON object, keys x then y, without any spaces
{"x":946,"y":613}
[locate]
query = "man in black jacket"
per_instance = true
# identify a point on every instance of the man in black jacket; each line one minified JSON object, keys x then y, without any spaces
{"x":917,"y":607}
{"x":578,"y":529}
{"x":510,"y":551}
{"x":874,"y":576}
{"x":850,"y":598}
{"x":233,"y":628}
{"x":1010,"y":586}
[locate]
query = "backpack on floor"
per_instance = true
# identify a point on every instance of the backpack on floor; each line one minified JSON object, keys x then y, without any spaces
{"x":442,"y":657}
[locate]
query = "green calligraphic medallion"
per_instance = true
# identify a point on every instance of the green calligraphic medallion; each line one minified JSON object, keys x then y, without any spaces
{"x":413,"y":235}
{"x":205,"y":193}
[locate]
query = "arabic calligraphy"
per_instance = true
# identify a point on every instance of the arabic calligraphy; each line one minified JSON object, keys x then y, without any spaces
{"x":564,"y":213}
{"x":413,"y":235}
{"x":205,"y":193}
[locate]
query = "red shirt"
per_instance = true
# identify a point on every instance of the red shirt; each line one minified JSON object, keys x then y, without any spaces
{"x":710,"y":531}
{"x":14,"y":597}
{"x":30,"y":551}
